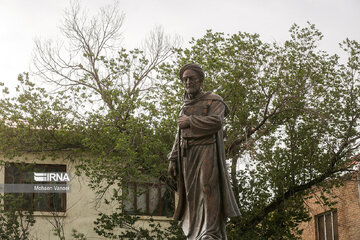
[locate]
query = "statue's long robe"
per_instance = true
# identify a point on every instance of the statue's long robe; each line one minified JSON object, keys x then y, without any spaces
{"x":205,"y":195}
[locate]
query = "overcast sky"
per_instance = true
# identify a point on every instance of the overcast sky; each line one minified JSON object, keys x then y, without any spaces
{"x":23,"y":20}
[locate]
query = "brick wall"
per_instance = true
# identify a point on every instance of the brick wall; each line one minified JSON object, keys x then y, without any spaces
{"x":348,"y":211}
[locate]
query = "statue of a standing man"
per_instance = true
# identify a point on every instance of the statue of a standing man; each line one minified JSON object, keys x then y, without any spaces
{"x":197,"y":162}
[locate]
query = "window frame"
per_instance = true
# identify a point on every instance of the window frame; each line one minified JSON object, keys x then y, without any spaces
{"x":148,"y":185}
{"x":31,"y":167}
{"x":334,"y":225}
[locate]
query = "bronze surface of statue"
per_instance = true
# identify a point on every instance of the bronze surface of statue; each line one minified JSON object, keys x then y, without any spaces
{"x":197,"y":162}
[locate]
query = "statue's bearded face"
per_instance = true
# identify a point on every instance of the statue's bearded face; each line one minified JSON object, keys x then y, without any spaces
{"x":192,"y":82}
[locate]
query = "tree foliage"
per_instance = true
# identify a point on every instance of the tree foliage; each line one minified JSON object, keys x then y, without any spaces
{"x":91,"y":101}
{"x":294,"y":121}
{"x":14,"y":223}
{"x":293,"y":125}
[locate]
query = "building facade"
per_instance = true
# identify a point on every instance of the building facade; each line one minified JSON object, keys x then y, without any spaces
{"x":341,"y":221}
{"x":79,"y":208}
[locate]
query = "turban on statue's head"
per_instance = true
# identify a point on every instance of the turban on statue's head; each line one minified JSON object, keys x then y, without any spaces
{"x":192,"y":66}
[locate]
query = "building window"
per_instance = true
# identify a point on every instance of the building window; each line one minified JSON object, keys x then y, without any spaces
{"x":152,"y":199}
{"x":327,"y":226}
{"x":23,"y":173}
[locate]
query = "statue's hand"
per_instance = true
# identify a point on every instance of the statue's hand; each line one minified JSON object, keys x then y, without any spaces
{"x":183,"y":121}
{"x":172,"y":169}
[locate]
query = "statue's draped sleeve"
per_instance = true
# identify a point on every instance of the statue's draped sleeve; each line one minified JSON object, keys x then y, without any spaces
{"x":173,"y":155}
{"x":201,"y":126}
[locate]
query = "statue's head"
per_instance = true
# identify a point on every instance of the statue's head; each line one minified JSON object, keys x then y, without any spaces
{"x":192,"y":76}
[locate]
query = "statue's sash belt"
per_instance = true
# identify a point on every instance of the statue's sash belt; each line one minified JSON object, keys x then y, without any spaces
{"x":187,"y":143}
